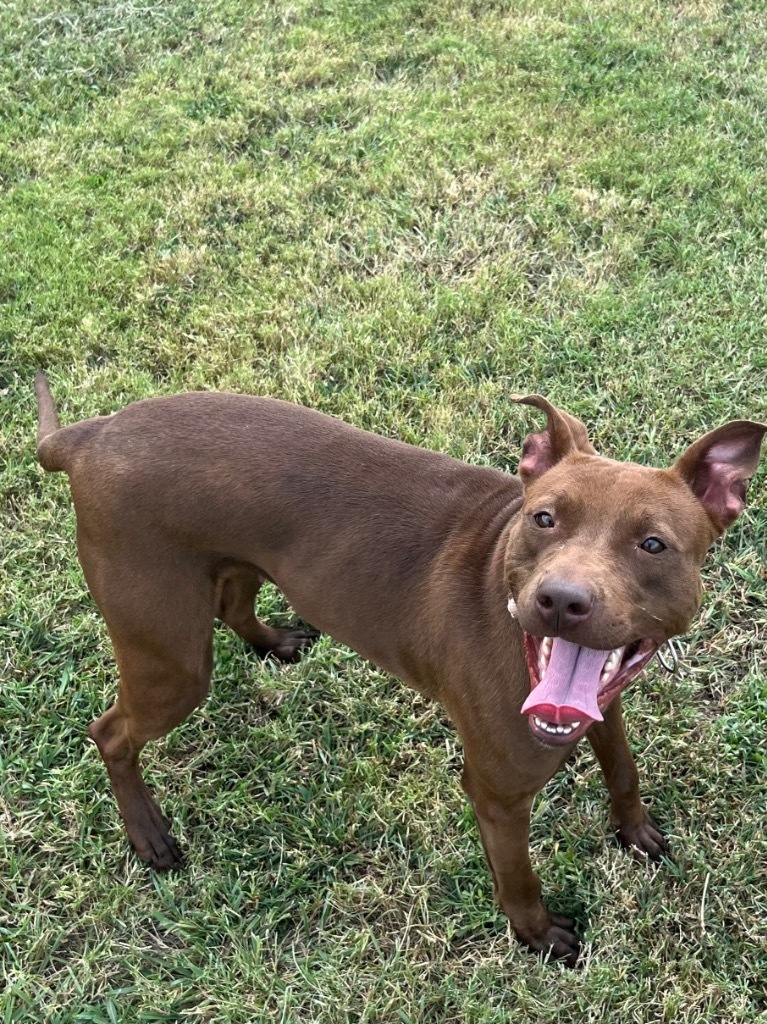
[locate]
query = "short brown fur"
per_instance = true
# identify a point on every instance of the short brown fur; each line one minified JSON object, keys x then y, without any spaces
{"x":185,"y":505}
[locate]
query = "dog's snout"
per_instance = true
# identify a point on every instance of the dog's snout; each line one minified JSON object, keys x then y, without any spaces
{"x":562,"y":603}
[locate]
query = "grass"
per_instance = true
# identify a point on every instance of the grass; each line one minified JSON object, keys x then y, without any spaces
{"x":397,"y":213}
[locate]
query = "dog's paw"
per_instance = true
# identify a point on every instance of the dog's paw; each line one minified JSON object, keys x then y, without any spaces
{"x":558,"y":942}
{"x":165,"y":856}
{"x":644,"y":841}
{"x":149,"y":832}
{"x":290,"y":645}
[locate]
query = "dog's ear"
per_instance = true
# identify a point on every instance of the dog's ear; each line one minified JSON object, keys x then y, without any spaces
{"x":717,"y":467}
{"x":564,"y":434}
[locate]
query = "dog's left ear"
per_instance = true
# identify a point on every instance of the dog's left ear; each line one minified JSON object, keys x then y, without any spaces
{"x":564,"y":435}
{"x":717,"y":467}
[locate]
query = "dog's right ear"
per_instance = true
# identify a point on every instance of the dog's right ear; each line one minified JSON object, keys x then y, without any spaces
{"x":717,"y":468}
{"x":564,"y":435}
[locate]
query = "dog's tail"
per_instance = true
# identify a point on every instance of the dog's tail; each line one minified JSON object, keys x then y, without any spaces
{"x":49,"y":453}
{"x":57,"y":446}
{"x":47,"y":417}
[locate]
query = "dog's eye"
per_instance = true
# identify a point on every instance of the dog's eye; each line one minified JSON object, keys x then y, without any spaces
{"x":543,"y":519}
{"x":653,"y":546}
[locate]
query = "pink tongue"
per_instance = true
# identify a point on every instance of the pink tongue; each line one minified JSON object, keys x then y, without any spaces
{"x":570,"y":684}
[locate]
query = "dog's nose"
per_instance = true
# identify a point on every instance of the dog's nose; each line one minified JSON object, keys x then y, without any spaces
{"x":562,"y":603}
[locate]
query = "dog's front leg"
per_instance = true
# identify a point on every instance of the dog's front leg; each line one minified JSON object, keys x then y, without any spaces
{"x":633,"y":825}
{"x":504,"y":824}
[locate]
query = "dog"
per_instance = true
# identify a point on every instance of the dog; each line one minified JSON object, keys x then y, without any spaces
{"x":523,"y":604}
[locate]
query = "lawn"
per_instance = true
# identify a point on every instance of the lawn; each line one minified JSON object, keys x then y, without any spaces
{"x":399,"y":213}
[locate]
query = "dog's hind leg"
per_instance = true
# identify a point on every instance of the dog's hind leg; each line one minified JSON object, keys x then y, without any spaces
{"x":160,"y":619}
{"x":236,"y":595}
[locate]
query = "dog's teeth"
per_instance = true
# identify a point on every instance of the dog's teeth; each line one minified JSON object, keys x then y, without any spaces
{"x":555,"y":730}
{"x":611,"y":664}
{"x":512,"y":606}
{"x":612,"y":661}
{"x":544,"y":654}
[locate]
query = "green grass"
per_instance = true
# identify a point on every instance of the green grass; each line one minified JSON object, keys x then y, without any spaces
{"x":399,"y":213}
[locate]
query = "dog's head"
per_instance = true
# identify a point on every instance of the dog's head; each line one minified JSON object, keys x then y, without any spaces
{"x":603,"y":560}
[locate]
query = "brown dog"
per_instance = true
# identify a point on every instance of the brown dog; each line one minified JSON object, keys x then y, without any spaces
{"x":185,"y":505}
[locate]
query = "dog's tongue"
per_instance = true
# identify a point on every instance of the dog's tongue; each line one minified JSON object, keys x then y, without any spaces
{"x":570,"y":684}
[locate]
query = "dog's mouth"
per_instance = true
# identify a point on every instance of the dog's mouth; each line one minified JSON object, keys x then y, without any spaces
{"x":571,"y":685}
